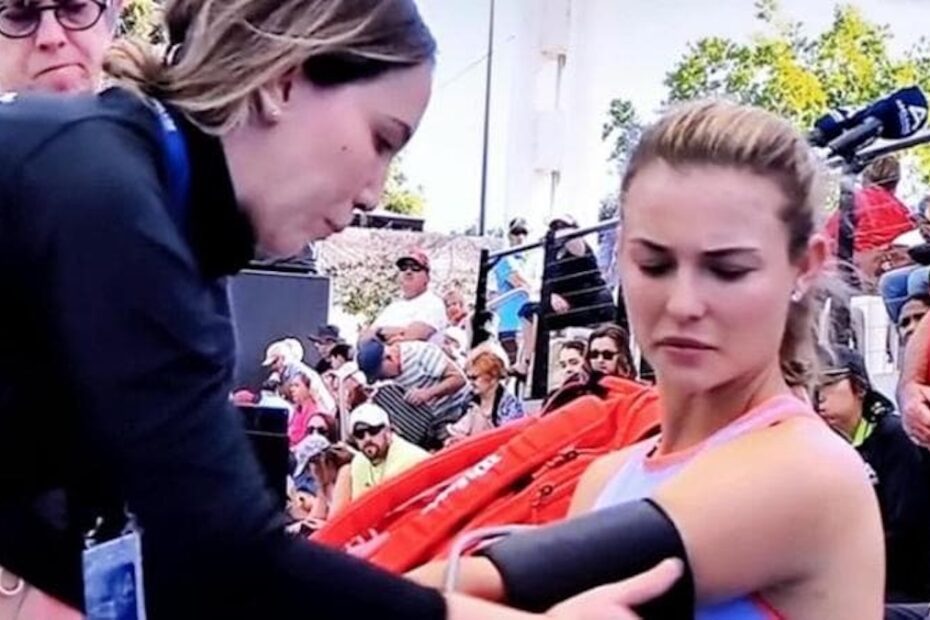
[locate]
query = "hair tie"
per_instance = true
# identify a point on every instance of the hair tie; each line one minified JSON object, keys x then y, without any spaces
{"x":173,"y":54}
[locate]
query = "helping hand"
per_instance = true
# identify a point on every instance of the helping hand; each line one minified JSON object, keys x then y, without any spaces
{"x":614,"y":601}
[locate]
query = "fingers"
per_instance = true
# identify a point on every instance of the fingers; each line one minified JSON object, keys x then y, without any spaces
{"x":647,"y":586}
{"x":920,"y":435}
{"x":368,"y":548}
{"x":614,"y":601}
{"x":916,"y":413}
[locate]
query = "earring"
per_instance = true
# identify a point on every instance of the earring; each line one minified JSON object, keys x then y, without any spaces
{"x":797,"y":295}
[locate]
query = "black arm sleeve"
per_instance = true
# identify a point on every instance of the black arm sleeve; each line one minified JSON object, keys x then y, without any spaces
{"x":137,"y":329}
{"x":545,"y":566}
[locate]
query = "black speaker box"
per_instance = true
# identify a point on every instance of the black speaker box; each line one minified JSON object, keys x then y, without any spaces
{"x":269,"y":306}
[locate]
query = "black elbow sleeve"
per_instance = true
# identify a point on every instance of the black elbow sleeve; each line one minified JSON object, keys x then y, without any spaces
{"x":544,"y":567}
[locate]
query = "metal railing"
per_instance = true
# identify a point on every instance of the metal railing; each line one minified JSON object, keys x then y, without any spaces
{"x":551,"y":244}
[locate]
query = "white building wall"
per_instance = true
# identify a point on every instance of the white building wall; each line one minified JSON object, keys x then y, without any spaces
{"x":555,"y":159}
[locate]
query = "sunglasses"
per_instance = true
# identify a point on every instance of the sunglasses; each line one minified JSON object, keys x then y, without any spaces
{"x":608,"y":356}
{"x":21,"y":20}
{"x":364,"y":431}
{"x":316,"y":430}
{"x":414,"y":267}
{"x":907,"y":321}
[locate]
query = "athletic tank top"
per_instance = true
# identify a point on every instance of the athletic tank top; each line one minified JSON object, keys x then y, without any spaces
{"x":642,"y":473}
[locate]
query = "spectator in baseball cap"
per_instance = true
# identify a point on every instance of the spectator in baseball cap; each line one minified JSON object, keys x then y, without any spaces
{"x":517,"y":284}
{"x":429,"y":380}
{"x":848,"y":402}
{"x":562,"y":221}
{"x":517,"y":230}
{"x":419,"y":314}
{"x":382,"y":454}
{"x":325,"y":338}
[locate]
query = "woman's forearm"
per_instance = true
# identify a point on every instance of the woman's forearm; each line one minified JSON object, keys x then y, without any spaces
{"x":461,"y":607}
{"x":477,"y":577}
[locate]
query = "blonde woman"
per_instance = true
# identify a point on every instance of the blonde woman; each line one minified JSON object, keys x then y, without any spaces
{"x":771,"y":511}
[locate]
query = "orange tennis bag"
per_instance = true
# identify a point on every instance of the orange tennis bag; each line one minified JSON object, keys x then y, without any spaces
{"x":521,"y":473}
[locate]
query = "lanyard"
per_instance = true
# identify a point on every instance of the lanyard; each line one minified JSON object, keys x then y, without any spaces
{"x":177,"y":165}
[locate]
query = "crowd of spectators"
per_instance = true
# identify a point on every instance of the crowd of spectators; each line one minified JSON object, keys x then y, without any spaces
{"x":412,"y":384}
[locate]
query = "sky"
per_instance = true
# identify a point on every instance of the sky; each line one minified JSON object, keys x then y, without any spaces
{"x":444,"y":158}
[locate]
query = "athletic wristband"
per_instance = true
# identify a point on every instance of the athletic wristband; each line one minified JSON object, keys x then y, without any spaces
{"x":546,"y":566}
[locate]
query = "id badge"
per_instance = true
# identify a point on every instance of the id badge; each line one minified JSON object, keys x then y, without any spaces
{"x":113,"y":588}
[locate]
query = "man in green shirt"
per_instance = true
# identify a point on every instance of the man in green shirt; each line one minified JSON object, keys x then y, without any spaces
{"x":382,"y":454}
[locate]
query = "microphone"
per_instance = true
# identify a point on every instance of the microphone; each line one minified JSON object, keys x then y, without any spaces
{"x":829,"y":127}
{"x":898,"y":116}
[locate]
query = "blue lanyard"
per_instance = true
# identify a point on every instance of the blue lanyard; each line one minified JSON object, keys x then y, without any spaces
{"x":177,"y":165}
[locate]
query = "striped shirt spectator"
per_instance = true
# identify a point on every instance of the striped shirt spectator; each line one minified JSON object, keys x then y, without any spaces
{"x":427,"y":376}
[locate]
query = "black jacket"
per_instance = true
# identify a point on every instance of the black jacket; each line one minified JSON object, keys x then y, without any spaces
{"x":115,"y":371}
{"x":900,"y":478}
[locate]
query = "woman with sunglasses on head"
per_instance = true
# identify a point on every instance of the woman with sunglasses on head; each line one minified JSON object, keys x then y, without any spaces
{"x":264,"y":126}
{"x":609,"y":352}
{"x":771,"y":512}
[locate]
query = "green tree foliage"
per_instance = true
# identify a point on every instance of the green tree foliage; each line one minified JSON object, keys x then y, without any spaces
{"x":365,"y":284}
{"x":141,"y":19}
{"x":623,"y":128}
{"x":399,"y":197}
{"x":793,"y":74}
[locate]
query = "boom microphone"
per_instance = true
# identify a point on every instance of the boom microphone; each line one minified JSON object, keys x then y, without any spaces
{"x":898,"y":116}
{"x":829,"y":127}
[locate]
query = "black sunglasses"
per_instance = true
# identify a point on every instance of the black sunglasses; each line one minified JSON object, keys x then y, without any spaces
{"x":361,"y":432}
{"x":410,"y":266}
{"x":316,"y":430}
{"x":22,"y":20}
{"x":906,"y":321}
{"x":594,"y":354}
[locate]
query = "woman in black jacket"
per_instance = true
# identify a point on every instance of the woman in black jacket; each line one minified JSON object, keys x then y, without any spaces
{"x":265,"y":125}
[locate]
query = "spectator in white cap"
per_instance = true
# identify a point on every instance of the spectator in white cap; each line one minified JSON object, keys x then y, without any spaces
{"x":283,"y":353}
{"x":382,"y":454}
{"x":419,"y":314}
{"x":285,"y":358}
